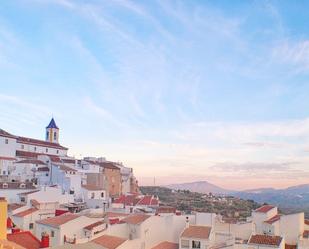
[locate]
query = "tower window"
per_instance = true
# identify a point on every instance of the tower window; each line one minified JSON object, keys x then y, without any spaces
{"x":47,"y":135}
{"x":55,"y":135}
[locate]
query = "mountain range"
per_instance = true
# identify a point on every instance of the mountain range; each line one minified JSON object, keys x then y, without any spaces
{"x":291,"y":199}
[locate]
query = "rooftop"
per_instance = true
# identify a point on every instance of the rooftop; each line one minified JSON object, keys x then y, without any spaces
{"x":265,"y":240}
{"x":26,"y":212}
{"x":200,"y":232}
{"x":109,"y":242}
{"x":136,"y":219}
{"x":31,"y":161}
{"x":93,"y":225}
{"x":273,"y":219}
{"x":166,"y":245}
{"x":264,"y":209}
{"x":52,"y":124}
{"x":58,"y":220}
{"x":25,"y":239}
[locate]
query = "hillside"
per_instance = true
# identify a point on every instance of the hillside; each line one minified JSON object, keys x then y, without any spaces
{"x":184,"y":200}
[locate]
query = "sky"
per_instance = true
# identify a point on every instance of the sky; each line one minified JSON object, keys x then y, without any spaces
{"x":180,"y":91}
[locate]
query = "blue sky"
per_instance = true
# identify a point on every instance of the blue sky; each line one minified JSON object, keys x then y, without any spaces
{"x":179,"y":90}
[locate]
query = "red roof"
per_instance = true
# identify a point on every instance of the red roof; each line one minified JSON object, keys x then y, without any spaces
{"x":14,"y":206}
{"x":273,"y":219}
{"x":135,"y":219}
{"x":166,"y":245}
{"x":264,"y":209}
{"x":26,"y":212}
{"x":32,"y":161}
{"x":200,"y":232}
{"x":306,"y":222}
{"x":128,"y":200}
{"x":166,"y":209}
{"x":3,"y":133}
{"x":65,"y":168}
{"x":290,"y":246}
{"x":265,"y":240}
{"x":58,"y":220}
{"x":25,"y":239}
{"x":148,"y":200}
{"x":34,"y":155}
{"x":26,"y":140}
{"x":7,"y":158}
{"x":92,"y":226}
{"x":109,"y":242}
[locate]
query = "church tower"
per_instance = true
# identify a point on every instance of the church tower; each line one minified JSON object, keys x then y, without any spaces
{"x":52,"y":132}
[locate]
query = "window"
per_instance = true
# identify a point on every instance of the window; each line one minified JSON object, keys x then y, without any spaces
{"x":52,"y":233}
{"x":92,"y":195}
{"x":196,"y":244}
{"x":55,"y":135}
{"x":46,"y":150}
{"x":102,"y":194}
{"x":5,"y":185}
{"x":57,"y":151}
{"x":34,"y":148}
{"x":22,"y":146}
{"x":30,"y":225}
{"x":6,"y":141}
{"x":185,"y":243}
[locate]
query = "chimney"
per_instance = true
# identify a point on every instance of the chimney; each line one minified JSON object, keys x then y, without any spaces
{"x":44,"y":240}
{"x":3,"y":218}
{"x":187,"y":222}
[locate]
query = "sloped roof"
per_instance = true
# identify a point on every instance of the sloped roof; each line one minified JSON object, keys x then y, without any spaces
{"x":128,"y":200}
{"x":200,"y":232}
{"x":58,"y":220}
{"x":166,"y":245}
{"x":31,"y":161}
{"x":148,"y":200}
{"x":93,"y":225}
{"x":25,"y":239}
{"x":52,"y":124}
{"x":136,"y":219}
{"x":273,"y":219}
{"x":268,"y":240}
{"x":26,"y":212}
{"x":264,"y":209}
{"x":4,"y":133}
{"x":109,"y":242}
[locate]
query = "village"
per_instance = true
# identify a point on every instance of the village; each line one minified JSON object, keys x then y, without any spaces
{"x":52,"y":200}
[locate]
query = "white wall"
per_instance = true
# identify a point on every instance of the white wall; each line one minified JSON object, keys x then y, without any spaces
{"x":7,"y":150}
{"x":292,"y":227}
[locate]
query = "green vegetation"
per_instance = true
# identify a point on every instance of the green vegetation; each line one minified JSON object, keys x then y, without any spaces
{"x":184,"y":200}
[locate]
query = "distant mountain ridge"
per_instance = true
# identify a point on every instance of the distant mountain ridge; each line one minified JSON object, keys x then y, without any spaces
{"x":291,"y":199}
{"x":200,"y":187}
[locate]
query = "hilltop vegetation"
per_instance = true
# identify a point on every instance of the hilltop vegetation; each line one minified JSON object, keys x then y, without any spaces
{"x":187,"y":201}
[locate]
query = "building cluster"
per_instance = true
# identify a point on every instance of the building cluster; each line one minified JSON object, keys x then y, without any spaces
{"x":51,"y":200}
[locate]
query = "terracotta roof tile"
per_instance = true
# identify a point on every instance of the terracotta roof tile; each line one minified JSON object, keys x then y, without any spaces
{"x":128,"y":200}
{"x":4,"y":133}
{"x":109,"y":242}
{"x":14,"y":206}
{"x":58,"y":220}
{"x":200,"y":232}
{"x":65,"y":168}
{"x":135,"y":219}
{"x":290,"y":246}
{"x":273,"y":219}
{"x":306,"y":222}
{"x":165,"y":209}
{"x":31,"y":161}
{"x":166,"y":245}
{"x":25,"y":239}
{"x":265,"y":240}
{"x":32,"y":141}
{"x":26,"y":212}
{"x":148,"y":200}
{"x":264,"y":209}
{"x":93,"y":225}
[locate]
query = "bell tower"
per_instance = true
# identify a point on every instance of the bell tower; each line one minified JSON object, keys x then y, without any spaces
{"x":52,"y":132}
